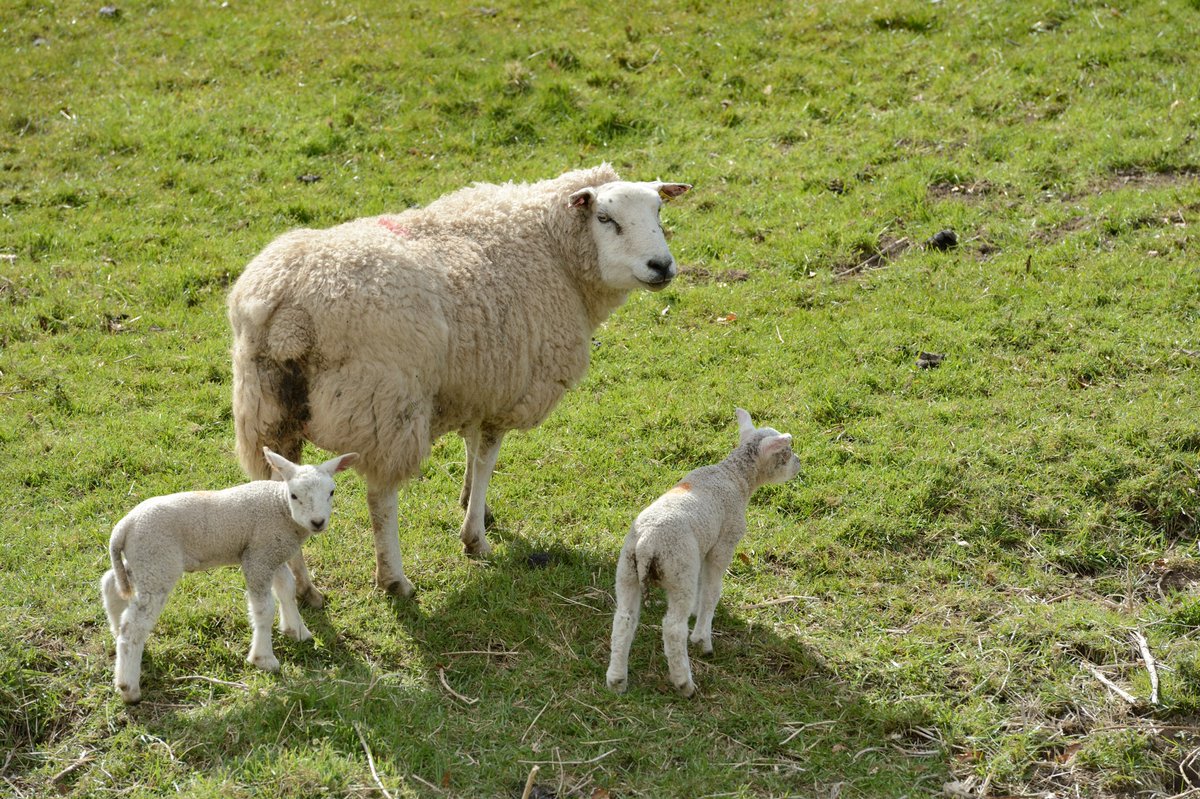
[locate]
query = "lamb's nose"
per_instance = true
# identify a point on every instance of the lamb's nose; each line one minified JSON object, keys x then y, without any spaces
{"x":317,"y":524}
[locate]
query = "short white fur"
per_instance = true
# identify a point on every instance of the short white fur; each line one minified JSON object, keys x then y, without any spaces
{"x":685,"y":541}
{"x":258,"y":525}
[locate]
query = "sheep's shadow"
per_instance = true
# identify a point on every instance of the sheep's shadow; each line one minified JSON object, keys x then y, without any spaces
{"x":510,"y":665}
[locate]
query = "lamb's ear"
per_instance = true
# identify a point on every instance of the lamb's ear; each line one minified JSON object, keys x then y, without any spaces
{"x":339,"y":464}
{"x":669,"y":191}
{"x":280,"y":464}
{"x":772,"y":444}
{"x":582,"y":198}
{"x":745,"y":424}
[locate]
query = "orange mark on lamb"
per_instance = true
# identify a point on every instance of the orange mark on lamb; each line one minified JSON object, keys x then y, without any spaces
{"x":682,"y":488}
{"x":394,"y":226}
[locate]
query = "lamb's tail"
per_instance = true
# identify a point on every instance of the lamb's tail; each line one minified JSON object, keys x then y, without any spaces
{"x":271,"y":350}
{"x":648,"y":569}
{"x":116,"y":548}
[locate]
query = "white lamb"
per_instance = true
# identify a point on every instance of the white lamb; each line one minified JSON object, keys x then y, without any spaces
{"x":474,"y":314}
{"x":685,"y":541}
{"x":259,"y":525}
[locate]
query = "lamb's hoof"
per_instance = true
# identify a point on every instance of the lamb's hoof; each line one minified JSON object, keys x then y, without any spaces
{"x":265,"y":662}
{"x":130,"y":696}
{"x":687,"y":690}
{"x":312,"y":597}
{"x":401,"y":588}
{"x":301,"y":634}
{"x":618,"y":686}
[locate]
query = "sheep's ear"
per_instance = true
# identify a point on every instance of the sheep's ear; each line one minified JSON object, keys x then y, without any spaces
{"x":339,"y":464}
{"x":745,"y":425}
{"x":279,"y":463}
{"x":582,"y":198}
{"x":669,"y":191}
{"x":772,"y":444}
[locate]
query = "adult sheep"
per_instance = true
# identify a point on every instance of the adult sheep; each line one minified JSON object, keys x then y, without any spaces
{"x":473,"y":314}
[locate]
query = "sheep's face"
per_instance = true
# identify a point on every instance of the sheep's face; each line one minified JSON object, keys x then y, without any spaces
{"x":776,"y":461}
{"x":630,"y":244}
{"x":309,"y":488}
{"x":310,"y":498}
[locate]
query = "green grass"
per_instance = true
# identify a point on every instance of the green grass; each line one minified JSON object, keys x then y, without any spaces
{"x":920,"y":608}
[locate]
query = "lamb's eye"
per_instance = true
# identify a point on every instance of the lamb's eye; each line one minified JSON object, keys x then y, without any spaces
{"x":603,"y":218}
{"x":293,"y":496}
{"x":331,"y":493}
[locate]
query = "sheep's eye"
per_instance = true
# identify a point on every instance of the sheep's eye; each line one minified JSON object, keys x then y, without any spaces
{"x":603,"y":218}
{"x":331,"y":493}
{"x":293,"y":496}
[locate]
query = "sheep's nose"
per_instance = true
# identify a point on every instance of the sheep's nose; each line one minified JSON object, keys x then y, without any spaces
{"x":662,"y":267}
{"x":317,"y":524}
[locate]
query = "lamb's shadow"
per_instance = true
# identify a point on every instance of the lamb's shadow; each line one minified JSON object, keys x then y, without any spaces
{"x":510,"y":665}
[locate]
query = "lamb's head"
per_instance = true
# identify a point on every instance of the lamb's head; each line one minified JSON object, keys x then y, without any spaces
{"x":623,"y":218}
{"x":309,"y":488}
{"x":775,"y":460}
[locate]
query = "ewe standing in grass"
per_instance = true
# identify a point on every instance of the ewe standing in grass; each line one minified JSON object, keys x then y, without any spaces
{"x":474,"y":314}
{"x":259,"y":525}
{"x":685,"y":541}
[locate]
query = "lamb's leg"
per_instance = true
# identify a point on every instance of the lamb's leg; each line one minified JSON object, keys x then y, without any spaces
{"x":306,"y":592}
{"x":114,"y":603}
{"x":389,"y":569}
{"x":625,"y":620}
{"x":482,"y":465}
{"x":674,"y":630}
{"x":471,"y":440}
{"x":136,"y":623}
{"x":290,"y":621}
{"x":712,"y":572}
{"x":262,"y":613}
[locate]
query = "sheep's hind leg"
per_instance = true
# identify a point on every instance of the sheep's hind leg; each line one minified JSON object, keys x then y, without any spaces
{"x":136,"y":623}
{"x":625,"y":620}
{"x":114,"y":603}
{"x":482,"y":464}
{"x":471,"y":440}
{"x":385,"y":523}
{"x":681,"y":598}
{"x":712,"y":570}
{"x":290,"y":621}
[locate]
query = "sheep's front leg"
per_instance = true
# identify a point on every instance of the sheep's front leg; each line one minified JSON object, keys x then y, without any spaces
{"x":471,"y":440}
{"x":385,"y":523}
{"x":290,"y":621}
{"x":262,"y":613}
{"x":482,"y":464}
{"x":712,"y":572}
{"x":625,"y":620}
{"x":304,"y":589}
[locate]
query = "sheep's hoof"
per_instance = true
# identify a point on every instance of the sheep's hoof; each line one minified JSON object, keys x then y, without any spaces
{"x":301,"y":633}
{"x":401,"y":588}
{"x":477,"y":547}
{"x":618,"y":686}
{"x":312,"y":597}
{"x":265,"y":662}
{"x":687,"y":690}
{"x":130,"y":696}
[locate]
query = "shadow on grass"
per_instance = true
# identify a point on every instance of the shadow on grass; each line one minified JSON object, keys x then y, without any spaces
{"x":508,"y":672}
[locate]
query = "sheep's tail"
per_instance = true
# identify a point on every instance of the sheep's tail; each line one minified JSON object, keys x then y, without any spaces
{"x":646,"y":558}
{"x":116,"y":546}
{"x":271,"y":347}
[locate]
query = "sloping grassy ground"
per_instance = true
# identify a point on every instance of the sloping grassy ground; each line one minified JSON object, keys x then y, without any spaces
{"x":969,"y":546}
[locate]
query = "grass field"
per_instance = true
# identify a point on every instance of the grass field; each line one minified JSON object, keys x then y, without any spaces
{"x":925,"y":612}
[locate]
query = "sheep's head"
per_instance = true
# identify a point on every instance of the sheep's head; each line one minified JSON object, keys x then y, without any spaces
{"x":623,"y":218}
{"x":776,"y":461}
{"x":309,"y":488}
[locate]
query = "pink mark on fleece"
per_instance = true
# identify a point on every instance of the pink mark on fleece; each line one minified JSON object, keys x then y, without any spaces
{"x":395,"y":227}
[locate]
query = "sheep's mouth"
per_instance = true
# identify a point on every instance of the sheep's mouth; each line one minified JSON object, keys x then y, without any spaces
{"x":656,"y":285}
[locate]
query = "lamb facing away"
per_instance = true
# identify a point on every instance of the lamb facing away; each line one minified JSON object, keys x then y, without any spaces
{"x":259,"y":525}
{"x":474,"y":314}
{"x":685,"y":541}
